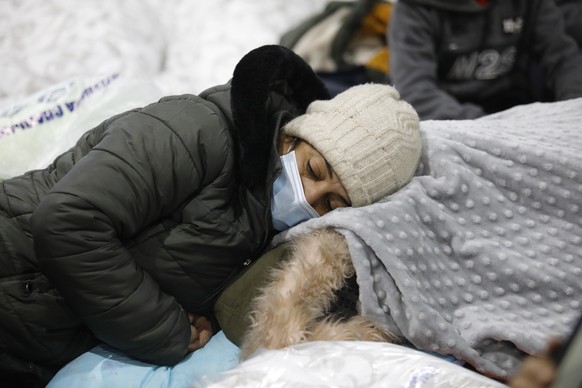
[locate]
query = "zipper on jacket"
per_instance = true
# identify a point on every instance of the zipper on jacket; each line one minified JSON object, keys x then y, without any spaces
{"x":268,"y":229}
{"x":238,"y":271}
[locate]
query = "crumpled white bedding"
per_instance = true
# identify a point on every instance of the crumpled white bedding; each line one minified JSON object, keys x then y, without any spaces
{"x":184,"y":45}
{"x":346,"y":364}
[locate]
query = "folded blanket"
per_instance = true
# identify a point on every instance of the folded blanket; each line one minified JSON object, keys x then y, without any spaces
{"x":480,"y":255}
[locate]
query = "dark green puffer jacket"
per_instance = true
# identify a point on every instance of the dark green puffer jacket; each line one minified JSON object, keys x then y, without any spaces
{"x":145,"y":219}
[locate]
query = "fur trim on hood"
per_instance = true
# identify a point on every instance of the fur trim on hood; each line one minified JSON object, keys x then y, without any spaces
{"x":266,"y":76}
{"x":292,"y":307}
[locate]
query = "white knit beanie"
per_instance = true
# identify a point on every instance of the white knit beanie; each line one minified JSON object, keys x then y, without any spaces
{"x":368,"y":135}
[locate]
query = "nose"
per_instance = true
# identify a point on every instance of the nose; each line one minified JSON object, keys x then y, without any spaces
{"x":316,"y":191}
{"x":313,"y":191}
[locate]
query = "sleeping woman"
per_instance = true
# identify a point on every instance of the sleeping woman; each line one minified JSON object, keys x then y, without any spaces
{"x":478,"y":257}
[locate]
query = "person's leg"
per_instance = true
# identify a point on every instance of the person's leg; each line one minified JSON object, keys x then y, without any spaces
{"x":16,"y":373}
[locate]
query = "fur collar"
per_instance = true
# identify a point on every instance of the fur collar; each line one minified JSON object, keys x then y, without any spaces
{"x":268,"y":80}
{"x":291,"y":308}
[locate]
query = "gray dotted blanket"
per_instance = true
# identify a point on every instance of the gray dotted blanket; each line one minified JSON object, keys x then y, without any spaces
{"x":480,"y":255}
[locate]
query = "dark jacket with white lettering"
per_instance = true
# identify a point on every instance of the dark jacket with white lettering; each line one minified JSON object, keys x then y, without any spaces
{"x":459,"y":60}
{"x":145,"y":219}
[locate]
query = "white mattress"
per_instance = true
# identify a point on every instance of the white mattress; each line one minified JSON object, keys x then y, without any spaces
{"x":184,"y":45}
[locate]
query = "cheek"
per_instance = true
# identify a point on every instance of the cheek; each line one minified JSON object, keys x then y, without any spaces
{"x":307,"y":189}
{"x":311,"y":196}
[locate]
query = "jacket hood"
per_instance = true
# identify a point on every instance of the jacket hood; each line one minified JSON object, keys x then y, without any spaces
{"x":268,"y":80}
{"x":452,"y":5}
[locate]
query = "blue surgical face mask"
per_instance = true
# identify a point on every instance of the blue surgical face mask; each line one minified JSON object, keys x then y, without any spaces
{"x":288,"y":204}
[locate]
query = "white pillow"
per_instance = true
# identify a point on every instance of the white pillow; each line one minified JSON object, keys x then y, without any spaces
{"x":347,"y":364}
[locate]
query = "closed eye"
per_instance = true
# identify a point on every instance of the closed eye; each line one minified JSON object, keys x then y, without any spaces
{"x":310,"y":170}
{"x":328,"y":205}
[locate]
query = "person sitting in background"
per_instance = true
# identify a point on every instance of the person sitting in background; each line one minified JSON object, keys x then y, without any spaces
{"x":468,"y":58}
{"x":128,"y":237}
{"x":572,"y":13}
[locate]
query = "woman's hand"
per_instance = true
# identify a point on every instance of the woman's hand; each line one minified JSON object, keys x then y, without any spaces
{"x":536,"y":372}
{"x":200,"y":331}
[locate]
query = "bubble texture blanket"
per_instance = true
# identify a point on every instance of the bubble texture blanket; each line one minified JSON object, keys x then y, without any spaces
{"x":480,"y":255}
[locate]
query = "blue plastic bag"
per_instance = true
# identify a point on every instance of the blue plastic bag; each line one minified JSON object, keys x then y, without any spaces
{"x":106,"y":367}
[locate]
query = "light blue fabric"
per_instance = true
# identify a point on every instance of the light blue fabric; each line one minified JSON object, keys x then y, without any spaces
{"x":288,"y":203}
{"x":106,"y":367}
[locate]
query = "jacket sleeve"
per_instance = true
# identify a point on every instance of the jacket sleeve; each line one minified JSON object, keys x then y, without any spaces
{"x":558,"y":52}
{"x":412,"y":38}
{"x":142,"y":169}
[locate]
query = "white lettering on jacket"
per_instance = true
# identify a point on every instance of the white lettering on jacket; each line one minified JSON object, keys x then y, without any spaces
{"x":512,"y":25}
{"x":482,"y":65}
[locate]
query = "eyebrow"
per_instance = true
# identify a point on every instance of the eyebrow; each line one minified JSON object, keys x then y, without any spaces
{"x":331,"y":174}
